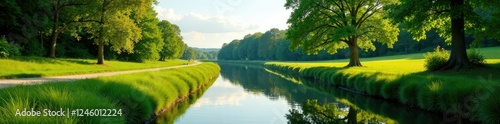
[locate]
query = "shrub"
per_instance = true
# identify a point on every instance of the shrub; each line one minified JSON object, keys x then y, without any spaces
{"x":8,"y":49}
{"x":436,"y":59}
{"x":475,"y":57}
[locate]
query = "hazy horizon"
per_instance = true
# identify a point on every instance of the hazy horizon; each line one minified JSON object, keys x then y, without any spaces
{"x":209,"y":24}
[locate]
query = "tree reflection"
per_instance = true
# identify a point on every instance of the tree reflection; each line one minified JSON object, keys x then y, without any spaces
{"x":313,"y":113}
{"x":180,"y":108}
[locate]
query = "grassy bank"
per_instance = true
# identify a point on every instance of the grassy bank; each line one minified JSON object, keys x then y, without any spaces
{"x":42,"y":67}
{"x":388,"y":112}
{"x":139,"y":96}
{"x":464,"y":94}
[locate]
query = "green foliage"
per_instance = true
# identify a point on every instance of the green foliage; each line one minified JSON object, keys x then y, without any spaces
{"x":137,"y":95}
{"x":189,"y":53}
{"x":415,"y":18}
{"x":333,"y":25}
{"x":435,"y":60}
{"x":281,"y":45}
{"x":113,"y":24}
{"x":8,"y":49}
{"x":174,"y":47}
{"x":475,"y":57}
{"x":149,"y":47}
{"x":451,"y":20}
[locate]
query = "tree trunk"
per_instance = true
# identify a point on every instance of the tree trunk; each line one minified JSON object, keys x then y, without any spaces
{"x":100,"y":51}
{"x":352,"y":116}
{"x":100,"y":43}
{"x":353,"y":51}
{"x":458,"y":58}
{"x":55,"y":34}
{"x":100,"y":48}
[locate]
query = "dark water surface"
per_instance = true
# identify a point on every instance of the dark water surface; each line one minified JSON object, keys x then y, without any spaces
{"x":248,"y":94}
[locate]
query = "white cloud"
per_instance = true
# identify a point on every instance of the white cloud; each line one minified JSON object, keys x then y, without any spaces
{"x":211,"y":40}
{"x":209,"y":30}
{"x":167,"y":14}
{"x":203,"y":23}
{"x":212,"y":24}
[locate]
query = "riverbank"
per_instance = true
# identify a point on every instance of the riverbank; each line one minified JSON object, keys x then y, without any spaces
{"x":137,"y":98}
{"x":465,"y":94}
{"x":383,"y":110}
{"x":23,"y":67}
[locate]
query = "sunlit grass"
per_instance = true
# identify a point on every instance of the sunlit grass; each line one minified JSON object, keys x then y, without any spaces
{"x":138,"y":95}
{"x":41,"y":67}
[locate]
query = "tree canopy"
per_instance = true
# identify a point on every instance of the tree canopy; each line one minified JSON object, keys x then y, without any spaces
{"x":331,"y":25}
{"x":126,"y":29}
{"x":174,"y":46}
{"x":451,"y":19}
{"x":114,"y":24}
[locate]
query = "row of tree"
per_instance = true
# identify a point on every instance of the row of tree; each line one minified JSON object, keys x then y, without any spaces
{"x":122,"y":29}
{"x":273,"y":45}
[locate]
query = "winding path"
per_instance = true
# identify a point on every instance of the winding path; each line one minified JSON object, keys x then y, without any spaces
{"x":39,"y":80}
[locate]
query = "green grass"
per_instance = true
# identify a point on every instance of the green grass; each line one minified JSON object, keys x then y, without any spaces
{"x":20,"y":67}
{"x":138,"y":95}
{"x":403,"y":78}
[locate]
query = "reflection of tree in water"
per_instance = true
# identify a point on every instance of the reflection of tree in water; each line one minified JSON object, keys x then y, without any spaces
{"x":180,"y":108}
{"x":313,"y":113}
{"x":297,"y":91}
{"x":255,"y":79}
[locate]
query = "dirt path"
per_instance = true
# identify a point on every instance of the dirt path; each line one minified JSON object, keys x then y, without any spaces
{"x":39,"y":80}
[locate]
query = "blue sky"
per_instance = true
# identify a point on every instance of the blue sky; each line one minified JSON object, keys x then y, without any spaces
{"x":210,"y":23}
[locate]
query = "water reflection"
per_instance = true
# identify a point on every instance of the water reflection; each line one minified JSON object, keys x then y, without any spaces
{"x":251,"y":94}
{"x":180,"y":108}
{"x":312,"y":112}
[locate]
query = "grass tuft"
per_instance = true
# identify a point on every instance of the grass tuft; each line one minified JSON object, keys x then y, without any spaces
{"x":489,"y":108}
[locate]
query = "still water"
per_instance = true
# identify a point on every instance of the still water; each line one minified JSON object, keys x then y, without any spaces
{"x":249,"y":94}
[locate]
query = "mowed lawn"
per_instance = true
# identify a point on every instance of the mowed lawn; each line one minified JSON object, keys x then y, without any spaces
{"x":20,"y":67}
{"x":398,"y":64}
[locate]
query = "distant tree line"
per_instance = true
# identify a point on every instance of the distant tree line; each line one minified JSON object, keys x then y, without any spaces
{"x":126,"y":30}
{"x":273,"y":45}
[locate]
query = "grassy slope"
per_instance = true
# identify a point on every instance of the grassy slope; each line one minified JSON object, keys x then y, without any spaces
{"x":138,"y":95}
{"x":402,"y":78}
{"x":41,"y":67}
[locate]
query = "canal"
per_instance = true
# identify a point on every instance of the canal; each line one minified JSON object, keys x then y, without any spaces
{"x":250,"y":94}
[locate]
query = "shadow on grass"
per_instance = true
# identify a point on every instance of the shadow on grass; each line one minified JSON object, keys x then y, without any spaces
{"x":42,"y":60}
{"x":76,"y":61}
{"x":39,"y":60}
{"x":494,"y":65}
{"x":23,"y":75}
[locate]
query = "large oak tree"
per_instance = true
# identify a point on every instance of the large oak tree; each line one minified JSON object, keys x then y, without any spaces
{"x":335,"y":24}
{"x":114,"y":23}
{"x":451,"y":19}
